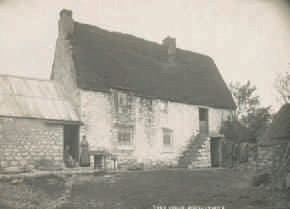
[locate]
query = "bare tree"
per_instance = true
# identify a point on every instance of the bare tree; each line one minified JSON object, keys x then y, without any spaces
{"x":244,"y":94}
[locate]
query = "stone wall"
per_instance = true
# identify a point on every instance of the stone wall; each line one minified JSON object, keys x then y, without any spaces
{"x":29,"y":140}
{"x":252,"y":156}
{"x":264,"y":158}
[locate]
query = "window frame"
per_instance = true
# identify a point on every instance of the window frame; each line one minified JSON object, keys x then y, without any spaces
{"x":123,"y":102}
{"x":122,"y":130}
{"x":167,"y":132}
{"x":163,"y":105}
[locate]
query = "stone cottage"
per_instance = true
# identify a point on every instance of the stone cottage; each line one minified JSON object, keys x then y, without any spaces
{"x":139,"y":100}
{"x":35,"y":121}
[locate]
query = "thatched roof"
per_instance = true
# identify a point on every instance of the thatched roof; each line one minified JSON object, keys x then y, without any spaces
{"x":106,"y":60}
{"x":33,"y":98}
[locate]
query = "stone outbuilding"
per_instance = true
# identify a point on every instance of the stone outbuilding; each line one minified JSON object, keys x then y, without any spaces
{"x":36,"y":121}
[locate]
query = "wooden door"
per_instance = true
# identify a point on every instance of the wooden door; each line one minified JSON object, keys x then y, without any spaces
{"x":215,"y":152}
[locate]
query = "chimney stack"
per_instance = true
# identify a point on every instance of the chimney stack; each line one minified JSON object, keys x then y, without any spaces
{"x":65,"y":24}
{"x":171,"y":48}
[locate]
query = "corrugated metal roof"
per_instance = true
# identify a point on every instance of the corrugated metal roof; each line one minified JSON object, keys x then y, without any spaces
{"x":32,"y":98}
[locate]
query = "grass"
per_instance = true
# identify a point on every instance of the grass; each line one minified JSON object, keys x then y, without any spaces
{"x":138,"y":190}
{"x":31,"y":193}
{"x":142,"y":190}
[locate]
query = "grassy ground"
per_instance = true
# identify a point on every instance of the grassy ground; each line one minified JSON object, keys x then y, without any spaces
{"x":142,"y":190}
{"x":31,"y":193}
{"x":138,"y":190}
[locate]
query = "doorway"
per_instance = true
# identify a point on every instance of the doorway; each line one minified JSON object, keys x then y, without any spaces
{"x":71,"y":140}
{"x":203,"y":121}
{"x":99,"y":161}
{"x":216,"y":152}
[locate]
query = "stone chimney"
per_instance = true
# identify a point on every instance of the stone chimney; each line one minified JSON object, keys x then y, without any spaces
{"x":65,"y":24}
{"x":171,"y":48}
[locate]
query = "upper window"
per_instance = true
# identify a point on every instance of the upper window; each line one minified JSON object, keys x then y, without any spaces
{"x":126,"y":135}
{"x":122,"y":102}
{"x":164,"y":106}
{"x":147,"y":103}
{"x":167,"y":136}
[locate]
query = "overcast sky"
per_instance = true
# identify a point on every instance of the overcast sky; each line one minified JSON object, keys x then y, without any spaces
{"x":249,"y":39}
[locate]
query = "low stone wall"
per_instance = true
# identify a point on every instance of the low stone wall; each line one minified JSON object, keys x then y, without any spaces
{"x":26,"y":141}
{"x":252,"y":156}
{"x":264,"y":159}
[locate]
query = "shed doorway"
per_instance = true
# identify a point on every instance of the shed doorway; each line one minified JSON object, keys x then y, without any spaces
{"x":71,"y":141}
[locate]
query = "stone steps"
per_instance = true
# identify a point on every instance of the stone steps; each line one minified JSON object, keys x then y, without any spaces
{"x":196,"y":153}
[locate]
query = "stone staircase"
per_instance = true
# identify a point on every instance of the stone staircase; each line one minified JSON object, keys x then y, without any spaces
{"x":196,"y":153}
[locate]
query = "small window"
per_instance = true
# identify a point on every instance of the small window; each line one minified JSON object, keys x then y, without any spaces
{"x":130,"y":100}
{"x":167,"y":137}
{"x":123,"y":99}
{"x":164,"y":106}
{"x":123,"y":102}
{"x":125,"y":135}
{"x":149,"y":104}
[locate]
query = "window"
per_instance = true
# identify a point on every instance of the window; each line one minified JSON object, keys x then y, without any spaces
{"x":122,"y":102}
{"x":164,"y":106}
{"x":130,"y":101}
{"x":125,"y":135}
{"x":167,"y":136}
{"x":123,"y":99}
{"x":147,"y":103}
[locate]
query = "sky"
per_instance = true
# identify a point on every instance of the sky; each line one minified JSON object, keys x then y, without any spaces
{"x":249,"y":39}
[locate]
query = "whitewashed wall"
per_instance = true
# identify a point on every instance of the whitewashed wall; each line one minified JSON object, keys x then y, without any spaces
{"x":95,"y":114}
{"x":182,"y":119}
